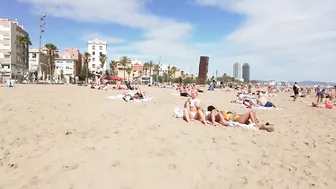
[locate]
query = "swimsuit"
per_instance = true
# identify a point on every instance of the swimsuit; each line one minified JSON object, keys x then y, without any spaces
{"x":228,"y":117}
{"x":269,"y":104}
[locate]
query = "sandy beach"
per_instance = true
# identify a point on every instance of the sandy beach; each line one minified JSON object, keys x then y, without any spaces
{"x":62,"y":137}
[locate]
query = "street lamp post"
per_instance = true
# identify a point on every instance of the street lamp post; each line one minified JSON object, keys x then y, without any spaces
{"x":42,"y":23}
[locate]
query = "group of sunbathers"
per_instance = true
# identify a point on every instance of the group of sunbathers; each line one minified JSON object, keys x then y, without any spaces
{"x":186,"y":90}
{"x":118,"y":86}
{"x":193,"y":110}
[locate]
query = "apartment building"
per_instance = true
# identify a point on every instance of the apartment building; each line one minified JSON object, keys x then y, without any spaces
{"x":237,"y":70}
{"x":95,"y":48}
{"x":74,"y":54}
{"x":33,"y":63}
{"x":64,"y":66}
{"x":13,"y":56}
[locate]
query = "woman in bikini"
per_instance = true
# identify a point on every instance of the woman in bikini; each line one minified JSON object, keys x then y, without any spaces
{"x":216,"y":116}
{"x":245,"y":119}
{"x":193,"y":110}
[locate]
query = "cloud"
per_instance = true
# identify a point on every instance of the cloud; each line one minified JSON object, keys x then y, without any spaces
{"x":299,"y":35}
{"x":161,"y":36}
{"x":108,"y":39}
{"x":287,"y":39}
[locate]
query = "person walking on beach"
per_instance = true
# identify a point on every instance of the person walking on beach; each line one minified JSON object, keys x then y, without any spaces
{"x":296,"y":91}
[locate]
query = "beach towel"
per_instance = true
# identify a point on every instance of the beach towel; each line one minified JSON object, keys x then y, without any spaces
{"x":144,"y":99}
{"x":264,"y":108}
{"x":118,"y":97}
{"x":244,"y":126}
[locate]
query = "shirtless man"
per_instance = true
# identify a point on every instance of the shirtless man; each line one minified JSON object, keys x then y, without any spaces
{"x":262,"y":101}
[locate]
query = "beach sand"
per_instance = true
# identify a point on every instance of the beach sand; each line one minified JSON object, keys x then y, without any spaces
{"x":62,"y":137}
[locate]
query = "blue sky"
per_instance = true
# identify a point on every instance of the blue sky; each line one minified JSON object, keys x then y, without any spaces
{"x":283,"y":40}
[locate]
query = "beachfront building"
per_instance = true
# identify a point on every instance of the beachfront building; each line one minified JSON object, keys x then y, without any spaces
{"x":34,"y":57}
{"x":163,"y":69}
{"x":64,"y":68}
{"x":74,"y":54}
{"x":95,"y":48}
{"x":246,"y":72}
{"x":13,"y":56}
{"x":237,"y":71}
{"x":136,"y":67}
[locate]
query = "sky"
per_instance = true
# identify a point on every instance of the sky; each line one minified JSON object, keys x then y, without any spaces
{"x":280,"y":39}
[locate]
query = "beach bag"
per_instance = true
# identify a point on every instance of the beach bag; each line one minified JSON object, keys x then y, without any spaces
{"x":178,"y":113}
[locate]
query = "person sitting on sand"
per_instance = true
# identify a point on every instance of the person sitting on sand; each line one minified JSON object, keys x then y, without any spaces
{"x":245,"y":119}
{"x":118,"y":85}
{"x":183,"y":91}
{"x":329,"y":102}
{"x":193,"y":110}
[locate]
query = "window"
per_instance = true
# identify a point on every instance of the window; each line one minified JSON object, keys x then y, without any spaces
{"x":68,"y":68}
{"x":101,"y":48}
{"x":6,"y":56}
{"x":34,"y":55}
{"x":93,"y":53}
{"x":100,"y":53}
{"x":68,"y":61}
{"x":93,"y":47}
{"x":93,"y":59}
{"x":93,"y":65}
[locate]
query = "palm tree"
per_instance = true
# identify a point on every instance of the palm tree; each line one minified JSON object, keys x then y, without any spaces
{"x":113,"y":67}
{"x":129,"y":71}
{"x":145,"y":68}
{"x":102,"y":59}
{"x":173,"y":71}
{"x":24,"y":41}
{"x":52,"y":52}
{"x":124,"y":61}
{"x":157,"y":68}
{"x":150,"y":66}
{"x":86,"y":57}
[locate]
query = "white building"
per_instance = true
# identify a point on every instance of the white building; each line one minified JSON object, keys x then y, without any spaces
{"x":95,"y":48}
{"x":237,"y":71}
{"x":66,"y":66}
{"x":33,"y":63}
{"x":13,"y":56}
{"x":164,"y":69}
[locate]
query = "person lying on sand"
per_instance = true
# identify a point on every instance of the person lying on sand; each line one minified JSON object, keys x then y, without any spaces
{"x":193,"y":110}
{"x":216,"y":116}
{"x":262,"y":101}
{"x":245,"y":119}
{"x":131,"y":95}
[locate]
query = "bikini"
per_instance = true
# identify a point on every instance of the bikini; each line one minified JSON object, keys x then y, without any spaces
{"x":193,"y":103}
